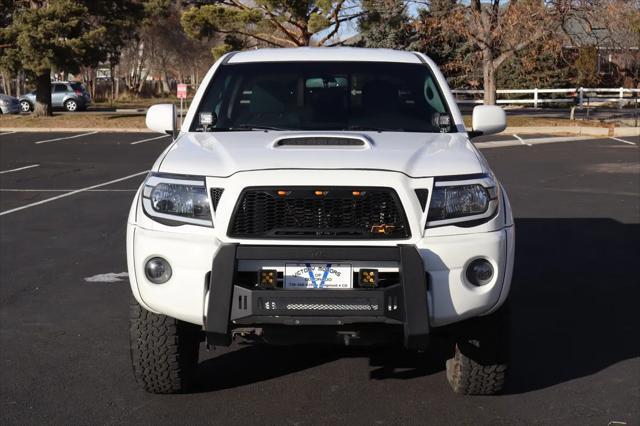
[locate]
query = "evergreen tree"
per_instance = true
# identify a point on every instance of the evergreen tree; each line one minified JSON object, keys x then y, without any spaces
{"x":386,"y":24}
{"x":63,"y":35}
{"x":276,"y":23}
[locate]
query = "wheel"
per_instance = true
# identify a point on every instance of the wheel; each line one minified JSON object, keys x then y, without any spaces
{"x":164,"y":351}
{"x":25,"y":106}
{"x":71,"y":105}
{"x":480,"y":360}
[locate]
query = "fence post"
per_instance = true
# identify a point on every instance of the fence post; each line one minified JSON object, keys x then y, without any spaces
{"x":621,"y":98}
{"x":580,"y":91}
{"x":535,"y":97}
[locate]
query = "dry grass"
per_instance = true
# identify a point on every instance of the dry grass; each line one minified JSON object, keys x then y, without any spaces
{"x":80,"y":120}
{"x":135,"y":103}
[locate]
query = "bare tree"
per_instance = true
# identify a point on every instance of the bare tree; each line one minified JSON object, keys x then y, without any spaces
{"x":500,"y":28}
{"x":621,"y":18}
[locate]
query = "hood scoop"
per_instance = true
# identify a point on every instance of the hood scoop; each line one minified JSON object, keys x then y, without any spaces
{"x":322,"y":141}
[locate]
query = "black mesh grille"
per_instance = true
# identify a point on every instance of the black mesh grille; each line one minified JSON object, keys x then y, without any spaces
{"x":317,"y":213}
{"x":216,"y":193}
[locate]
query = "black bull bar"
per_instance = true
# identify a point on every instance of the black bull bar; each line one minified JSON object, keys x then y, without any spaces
{"x":404,"y":303}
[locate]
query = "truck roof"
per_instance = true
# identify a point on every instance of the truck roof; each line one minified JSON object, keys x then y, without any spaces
{"x":324,"y":54}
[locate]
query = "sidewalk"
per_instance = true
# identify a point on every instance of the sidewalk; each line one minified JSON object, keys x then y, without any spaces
{"x":575,"y":130}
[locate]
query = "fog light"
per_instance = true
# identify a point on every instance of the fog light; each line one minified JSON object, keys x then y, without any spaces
{"x":479,"y":272}
{"x":368,"y":277}
{"x":157,"y":270}
{"x":268,"y":278}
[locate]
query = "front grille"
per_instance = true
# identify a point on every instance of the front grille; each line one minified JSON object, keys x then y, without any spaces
{"x":319,"y":213}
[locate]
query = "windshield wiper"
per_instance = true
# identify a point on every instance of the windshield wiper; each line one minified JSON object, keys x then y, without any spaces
{"x":242,"y":127}
{"x":373,"y":129}
{"x":255,"y":127}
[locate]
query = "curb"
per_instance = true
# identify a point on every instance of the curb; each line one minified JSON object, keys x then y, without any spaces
{"x":576,"y":130}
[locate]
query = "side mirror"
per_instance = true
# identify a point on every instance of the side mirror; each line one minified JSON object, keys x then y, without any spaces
{"x":161,"y":118}
{"x":487,"y":119}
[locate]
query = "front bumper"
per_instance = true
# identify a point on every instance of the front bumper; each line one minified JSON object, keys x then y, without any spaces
{"x":404,"y":303}
{"x":444,"y":259}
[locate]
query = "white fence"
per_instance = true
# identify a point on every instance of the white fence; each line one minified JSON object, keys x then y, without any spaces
{"x":579,"y":96}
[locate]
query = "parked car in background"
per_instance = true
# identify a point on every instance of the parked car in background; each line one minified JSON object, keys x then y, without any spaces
{"x":72,"y":96}
{"x":9,"y":105}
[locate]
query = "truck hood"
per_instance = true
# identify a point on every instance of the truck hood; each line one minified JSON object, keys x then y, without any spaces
{"x":414,"y":154}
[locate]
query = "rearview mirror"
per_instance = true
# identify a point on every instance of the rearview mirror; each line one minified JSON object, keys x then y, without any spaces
{"x":487,"y":120}
{"x":161,"y":118}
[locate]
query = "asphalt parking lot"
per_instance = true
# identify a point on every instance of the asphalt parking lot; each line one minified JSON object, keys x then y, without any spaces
{"x":64,"y":352}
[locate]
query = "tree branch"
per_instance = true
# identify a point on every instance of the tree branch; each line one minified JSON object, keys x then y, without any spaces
{"x":274,"y":19}
{"x":335,"y":14}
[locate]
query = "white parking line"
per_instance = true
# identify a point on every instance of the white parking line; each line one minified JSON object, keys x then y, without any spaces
{"x":65,"y":137}
{"x":147,"y":140}
{"x":622,"y":140}
{"x":6,"y":133}
{"x":20,"y":168}
{"x":68,"y":194}
{"x":110,"y":277}
{"x":534,"y":141}
{"x":521,"y":140}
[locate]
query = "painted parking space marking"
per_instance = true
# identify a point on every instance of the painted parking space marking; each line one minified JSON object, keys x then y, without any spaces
{"x":7,"y":133}
{"x":110,"y":277}
{"x":66,"y":137}
{"x":534,"y":141}
{"x":521,"y":140}
{"x":148,"y":140}
{"x":20,"y":168}
{"x":622,"y":140}
{"x":68,"y":194}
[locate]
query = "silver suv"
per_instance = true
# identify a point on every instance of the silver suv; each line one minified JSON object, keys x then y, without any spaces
{"x":72,"y":96}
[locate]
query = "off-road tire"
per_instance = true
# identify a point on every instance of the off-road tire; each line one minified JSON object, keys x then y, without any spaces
{"x":480,"y":360}
{"x":164,"y":351}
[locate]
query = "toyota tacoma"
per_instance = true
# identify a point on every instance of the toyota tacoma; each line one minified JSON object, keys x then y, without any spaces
{"x":321,"y":195}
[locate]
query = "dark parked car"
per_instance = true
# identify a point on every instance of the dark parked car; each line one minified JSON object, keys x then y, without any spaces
{"x":9,"y":105}
{"x":72,"y":96}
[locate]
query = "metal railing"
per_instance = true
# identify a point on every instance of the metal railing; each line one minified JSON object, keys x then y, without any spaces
{"x":578,"y":96}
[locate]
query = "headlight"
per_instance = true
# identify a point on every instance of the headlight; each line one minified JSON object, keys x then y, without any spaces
{"x":3,"y":102}
{"x":174,"y":200}
{"x":458,"y":202}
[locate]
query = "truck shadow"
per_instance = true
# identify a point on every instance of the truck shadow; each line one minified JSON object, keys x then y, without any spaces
{"x":574,"y":300}
{"x":574,"y":312}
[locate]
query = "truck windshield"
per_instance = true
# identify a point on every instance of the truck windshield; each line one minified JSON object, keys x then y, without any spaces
{"x":324,"y":96}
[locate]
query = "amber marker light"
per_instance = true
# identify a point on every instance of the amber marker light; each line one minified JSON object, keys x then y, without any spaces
{"x":320,"y":193}
{"x":368,"y":277}
{"x":268,"y":278}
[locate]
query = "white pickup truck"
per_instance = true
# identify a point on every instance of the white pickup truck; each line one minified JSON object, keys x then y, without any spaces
{"x":321,"y":195}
